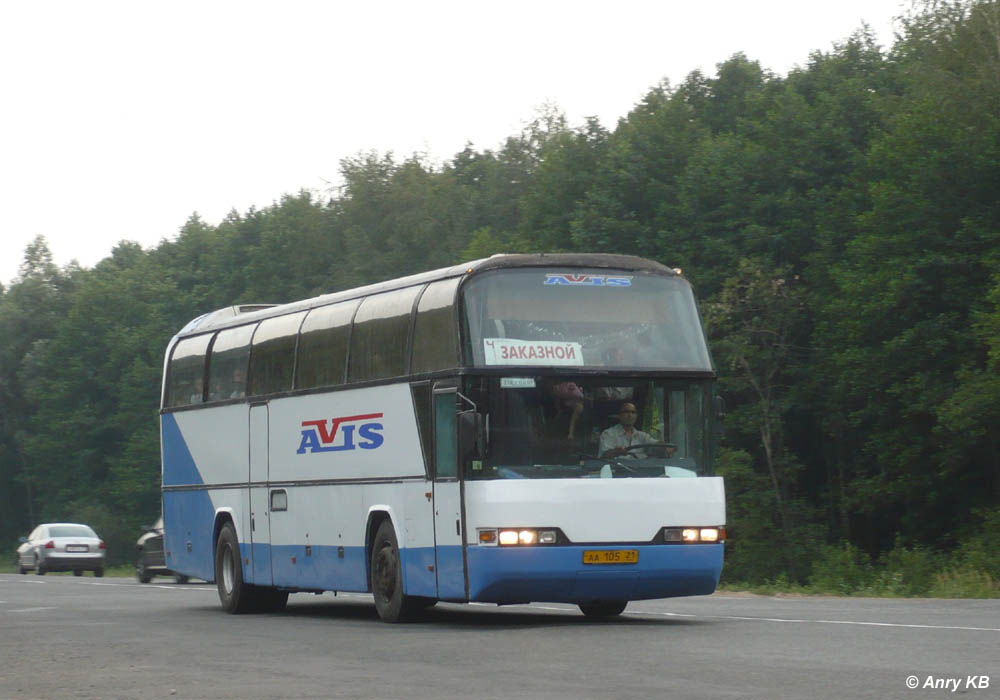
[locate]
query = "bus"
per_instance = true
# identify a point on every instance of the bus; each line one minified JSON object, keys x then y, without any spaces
{"x":521,"y":428}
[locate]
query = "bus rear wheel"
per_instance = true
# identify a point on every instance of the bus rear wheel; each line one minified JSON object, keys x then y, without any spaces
{"x":387,"y":578}
{"x":603,"y":608}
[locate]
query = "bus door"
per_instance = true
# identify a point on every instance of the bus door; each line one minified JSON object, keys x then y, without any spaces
{"x":449,"y":551}
{"x":260,"y":522}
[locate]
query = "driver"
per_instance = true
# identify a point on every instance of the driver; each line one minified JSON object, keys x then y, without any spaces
{"x":616,"y":440}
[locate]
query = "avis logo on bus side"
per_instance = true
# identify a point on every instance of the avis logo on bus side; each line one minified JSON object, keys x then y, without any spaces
{"x":588,"y":280}
{"x":340,"y":434}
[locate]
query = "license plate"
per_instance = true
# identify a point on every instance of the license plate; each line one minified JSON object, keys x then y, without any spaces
{"x":610,"y":556}
{"x":76,"y":548}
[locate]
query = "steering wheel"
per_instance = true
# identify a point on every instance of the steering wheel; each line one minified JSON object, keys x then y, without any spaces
{"x":662,"y":445}
{"x":608,"y":460}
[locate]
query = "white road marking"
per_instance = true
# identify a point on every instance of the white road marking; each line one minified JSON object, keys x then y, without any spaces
{"x":824,"y":622}
{"x":20,"y":610}
{"x":782,"y":619}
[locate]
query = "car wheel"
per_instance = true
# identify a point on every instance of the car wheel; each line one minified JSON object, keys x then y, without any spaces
{"x":20,"y":567}
{"x":98,"y":573}
{"x":181,"y":578}
{"x":77,"y":572}
{"x":603,"y":608}
{"x":141,"y":574}
{"x":387,"y":577}
{"x":236,"y":596}
{"x":38,"y":567}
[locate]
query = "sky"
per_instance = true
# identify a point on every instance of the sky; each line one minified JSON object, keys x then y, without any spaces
{"x":119,"y":120}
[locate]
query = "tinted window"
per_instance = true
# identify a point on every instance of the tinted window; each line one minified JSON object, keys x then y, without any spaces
{"x":583,"y":318}
{"x":323,"y":345}
{"x":228,"y":368}
{"x":186,"y":375}
{"x":445,"y":436}
{"x":272,"y":359}
{"x":434,"y":343}
{"x":379,"y":338}
{"x":422,"y":407}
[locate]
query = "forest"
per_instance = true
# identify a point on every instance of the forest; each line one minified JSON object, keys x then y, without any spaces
{"x":840,"y":225}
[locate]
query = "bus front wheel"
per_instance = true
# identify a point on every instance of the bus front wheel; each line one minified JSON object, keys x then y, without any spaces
{"x":387,"y":578}
{"x":236,"y":596}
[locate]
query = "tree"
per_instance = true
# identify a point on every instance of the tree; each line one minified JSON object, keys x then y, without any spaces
{"x":755,"y":325}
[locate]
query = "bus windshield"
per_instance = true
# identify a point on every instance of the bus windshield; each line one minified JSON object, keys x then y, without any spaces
{"x":583,"y":318}
{"x":572,"y":427}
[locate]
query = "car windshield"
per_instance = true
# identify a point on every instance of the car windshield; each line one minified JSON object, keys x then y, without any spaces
{"x":71,"y":531}
{"x":573,"y":427}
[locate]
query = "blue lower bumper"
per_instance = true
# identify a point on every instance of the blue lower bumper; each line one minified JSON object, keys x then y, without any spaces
{"x":558,"y":574}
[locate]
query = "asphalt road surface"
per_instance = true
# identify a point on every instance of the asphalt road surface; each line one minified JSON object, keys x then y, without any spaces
{"x":67,"y":637}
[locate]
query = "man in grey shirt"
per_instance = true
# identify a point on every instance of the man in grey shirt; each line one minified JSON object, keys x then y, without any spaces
{"x":616,"y":440}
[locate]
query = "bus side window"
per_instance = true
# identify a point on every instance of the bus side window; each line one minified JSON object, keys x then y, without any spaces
{"x":434,"y":343}
{"x":422,"y":408}
{"x":322,"y":354}
{"x":272,"y":355}
{"x":380,"y":336}
{"x":227,"y":368}
{"x":445,"y":435}
{"x":186,"y":372}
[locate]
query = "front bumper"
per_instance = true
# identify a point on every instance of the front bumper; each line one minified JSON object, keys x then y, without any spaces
{"x":557,"y":574}
{"x":72,"y":562}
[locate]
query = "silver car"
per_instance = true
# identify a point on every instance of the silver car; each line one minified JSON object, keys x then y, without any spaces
{"x":61,"y":547}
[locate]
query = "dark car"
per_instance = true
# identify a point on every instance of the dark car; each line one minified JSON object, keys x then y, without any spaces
{"x":149,"y":558}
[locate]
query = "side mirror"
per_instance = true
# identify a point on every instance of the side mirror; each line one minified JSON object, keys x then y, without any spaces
{"x":22,"y":540}
{"x":471,"y":435}
{"x":720,"y":406}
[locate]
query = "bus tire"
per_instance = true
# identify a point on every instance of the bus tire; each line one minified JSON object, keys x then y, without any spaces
{"x":236,"y":596}
{"x":603,"y":608}
{"x":387,"y":577}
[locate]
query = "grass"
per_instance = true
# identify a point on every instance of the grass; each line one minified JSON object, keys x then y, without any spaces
{"x":943,"y":584}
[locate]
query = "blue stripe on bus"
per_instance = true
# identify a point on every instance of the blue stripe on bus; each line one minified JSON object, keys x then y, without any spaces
{"x":325,"y":569}
{"x":188,"y":515}
{"x":558,"y":575}
{"x":178,"y":465}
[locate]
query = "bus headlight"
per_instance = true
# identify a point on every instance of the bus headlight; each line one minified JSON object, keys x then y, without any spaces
{"x":508,"y":537}
{"x":525,"y":537}
{"x":693,"y":535}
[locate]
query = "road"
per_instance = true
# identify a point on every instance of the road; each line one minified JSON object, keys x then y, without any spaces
{"x":66,"y":637}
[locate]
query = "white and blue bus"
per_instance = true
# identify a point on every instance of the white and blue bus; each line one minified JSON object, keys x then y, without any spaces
{"x":443,"y":437}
